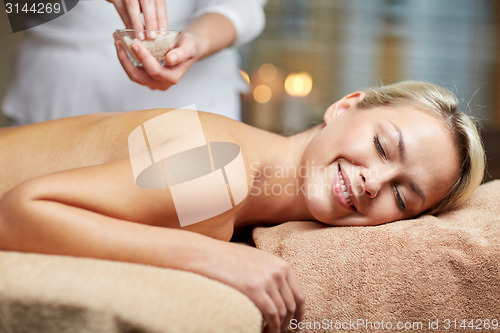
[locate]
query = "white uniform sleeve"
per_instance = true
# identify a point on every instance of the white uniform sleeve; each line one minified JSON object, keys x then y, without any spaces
{"x":247,"y":16}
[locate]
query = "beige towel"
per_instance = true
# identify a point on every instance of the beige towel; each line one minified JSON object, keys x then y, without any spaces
{"x":55,"y":294}
{"x":430,"y":273}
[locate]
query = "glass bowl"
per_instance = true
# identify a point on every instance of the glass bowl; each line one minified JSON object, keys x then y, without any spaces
{"x":158,"y":46}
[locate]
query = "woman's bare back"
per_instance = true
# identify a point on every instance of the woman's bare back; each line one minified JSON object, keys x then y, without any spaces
{"x":84,"y":161}
{"x":38,"y":149}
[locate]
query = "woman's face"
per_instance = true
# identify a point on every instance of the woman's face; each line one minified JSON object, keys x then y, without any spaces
{"x":368,"y":167}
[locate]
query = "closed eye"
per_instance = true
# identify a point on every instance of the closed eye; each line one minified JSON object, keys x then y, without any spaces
{"x":379,"y":147}
{"x":398,"y":199}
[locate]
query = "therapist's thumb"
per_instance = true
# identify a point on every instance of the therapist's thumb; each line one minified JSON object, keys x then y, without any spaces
{"x":176,"y":57}
{"x":184,"y":52}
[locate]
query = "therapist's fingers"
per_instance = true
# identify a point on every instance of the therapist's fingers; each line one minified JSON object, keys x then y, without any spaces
{"x":161,"y":13}
{"x":135,"y":74}
{"x":152,"y":67}
{"x":185,"y":50}
{"x":158,"y":77}
{"x":122,"y":11}
{"x":127,"y":65}
{"x":155,"y":14}
{"x":148,"y":8}
{"x":134,"y":14}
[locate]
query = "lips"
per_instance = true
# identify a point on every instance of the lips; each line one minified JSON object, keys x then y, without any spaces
{"x":343,"y":190}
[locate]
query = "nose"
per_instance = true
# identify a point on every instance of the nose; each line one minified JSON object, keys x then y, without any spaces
{"x":374,"y":179}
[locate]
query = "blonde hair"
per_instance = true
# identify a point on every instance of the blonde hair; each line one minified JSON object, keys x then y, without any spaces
{"x":442,"y":102}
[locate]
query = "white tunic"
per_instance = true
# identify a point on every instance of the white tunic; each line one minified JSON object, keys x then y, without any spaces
{"x":69,"y":66}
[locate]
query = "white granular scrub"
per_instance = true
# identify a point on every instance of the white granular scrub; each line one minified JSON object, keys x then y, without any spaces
{"x":158,"y":47}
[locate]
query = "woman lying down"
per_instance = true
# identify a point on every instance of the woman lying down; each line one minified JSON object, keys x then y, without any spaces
{"x":150,"y":186}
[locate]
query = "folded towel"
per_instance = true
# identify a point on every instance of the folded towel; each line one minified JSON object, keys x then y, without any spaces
{"x":432,"y":272}
{"x":49,"y":294}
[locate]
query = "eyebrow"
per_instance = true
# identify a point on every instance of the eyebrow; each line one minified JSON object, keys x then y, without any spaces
{"x":401,"y":142}
{"x":402,"y":156}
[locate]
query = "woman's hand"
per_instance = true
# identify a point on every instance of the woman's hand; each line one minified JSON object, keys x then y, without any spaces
{"x":154,"y":12}
{"x":266,"y":279}
{"x":154,"y":75}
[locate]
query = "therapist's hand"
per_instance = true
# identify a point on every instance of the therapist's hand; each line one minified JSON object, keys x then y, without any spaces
{"x":154,"y":11}
{"x":154,"y":75}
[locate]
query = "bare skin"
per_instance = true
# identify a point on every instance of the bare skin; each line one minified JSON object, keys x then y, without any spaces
{"x":68,"y":189}
{"x":94,"y":148}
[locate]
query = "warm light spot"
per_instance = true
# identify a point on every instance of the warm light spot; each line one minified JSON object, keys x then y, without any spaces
{"x":267,"y":72}
{"x":262,"y":93}
{"x":298,"y":84}
{"x":245,"y":76}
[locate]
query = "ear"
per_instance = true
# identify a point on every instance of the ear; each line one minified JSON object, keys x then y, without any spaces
{"x":347,"y":102}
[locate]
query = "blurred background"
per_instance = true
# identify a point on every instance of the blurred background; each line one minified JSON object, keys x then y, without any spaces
{"x":313,"y":52}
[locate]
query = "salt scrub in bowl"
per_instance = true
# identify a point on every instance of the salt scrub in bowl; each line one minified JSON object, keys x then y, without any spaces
{"x":158,"y":47}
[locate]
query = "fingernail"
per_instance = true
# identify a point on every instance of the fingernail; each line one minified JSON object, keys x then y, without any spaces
{"x":141,"y":35}
{"x":173,"y":58}
{"x":135,"y":48}
{"x":117,"y":46}
{"x":152,"y":34}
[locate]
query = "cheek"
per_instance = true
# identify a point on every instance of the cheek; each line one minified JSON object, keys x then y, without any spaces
{"x":353,"y":141}
{"x":382,"y":211}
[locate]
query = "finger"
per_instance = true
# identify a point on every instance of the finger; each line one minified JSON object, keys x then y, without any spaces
{"x":183,"y":52}
{"x":158,"y":76}
{"x":174,"y":57}
{"x":134,"y":14}
{"x":155,"y":70}
{"x":161,"y":13}
{"x":135,"y":74}
{"x":270,"y":313}
{"x":148,"y":8}
{"x":279,"y":302}
{"x":290,"y":304}
{"x":125,"y":61}
{"x":122,"y":11}
{"x":149,"y":63}
{"x":299,"y":295}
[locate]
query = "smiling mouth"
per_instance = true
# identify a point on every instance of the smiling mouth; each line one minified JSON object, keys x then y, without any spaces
{"x":344,"y":189}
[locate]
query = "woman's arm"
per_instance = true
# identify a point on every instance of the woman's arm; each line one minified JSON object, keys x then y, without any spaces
{"x":88,"y":212}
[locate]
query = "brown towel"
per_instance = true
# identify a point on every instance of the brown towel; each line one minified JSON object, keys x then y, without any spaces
{"x":424,"y":274}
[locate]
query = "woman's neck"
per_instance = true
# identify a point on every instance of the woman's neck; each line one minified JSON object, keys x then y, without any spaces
{"x":277,"y":193}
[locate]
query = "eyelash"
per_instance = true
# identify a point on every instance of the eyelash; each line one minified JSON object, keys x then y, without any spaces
{"x":381,"y":152}
{"x":399,"y":200}
{"x":379,"y":147}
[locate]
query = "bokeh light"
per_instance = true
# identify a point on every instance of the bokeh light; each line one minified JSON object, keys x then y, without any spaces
{"x":267,"y":72}
{"x":298,"y":84}
{"x":262,"y":94}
